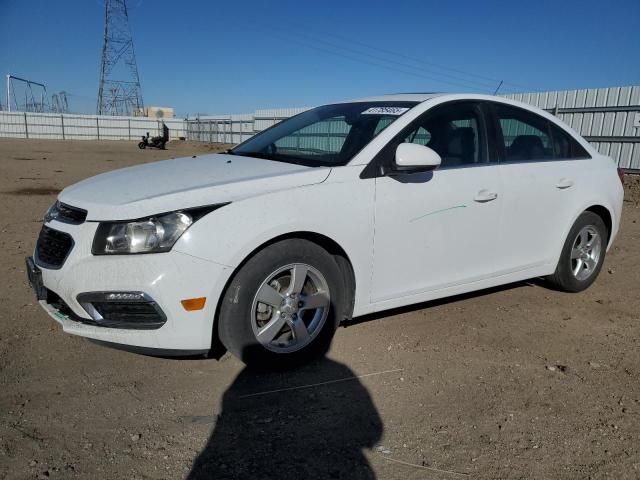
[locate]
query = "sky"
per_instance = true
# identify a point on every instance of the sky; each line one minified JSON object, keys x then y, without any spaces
{"x":238,"y":56}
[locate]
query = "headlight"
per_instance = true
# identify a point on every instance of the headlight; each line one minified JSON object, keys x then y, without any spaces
{"x":154,"y":234}
{"x":149,"y":235}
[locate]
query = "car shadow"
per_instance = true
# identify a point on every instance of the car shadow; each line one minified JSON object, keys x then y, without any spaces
{"x":443,"y":301}
{"x":310,"y":422}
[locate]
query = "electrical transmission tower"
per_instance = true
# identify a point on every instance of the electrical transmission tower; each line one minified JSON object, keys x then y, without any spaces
{"x":34,"y":93}
{"x":59,"y":102}
{"x":119,"y":91}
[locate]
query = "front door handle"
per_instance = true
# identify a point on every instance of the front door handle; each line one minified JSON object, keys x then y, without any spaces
{"x":484,"y":196}
{"x":564,"y":183}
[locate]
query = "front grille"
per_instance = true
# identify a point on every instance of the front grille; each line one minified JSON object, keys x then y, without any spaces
{"x":69,"y":214}
{"x":130,"y":314}
{"x":52,"y":248}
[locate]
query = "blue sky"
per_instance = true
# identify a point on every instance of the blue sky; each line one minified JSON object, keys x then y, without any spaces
{"x":234,"y":57}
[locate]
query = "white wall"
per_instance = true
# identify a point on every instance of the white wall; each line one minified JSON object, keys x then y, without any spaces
{"x":606,"y":117}
{"x":84,"y":127}
{"x":235,"y":128}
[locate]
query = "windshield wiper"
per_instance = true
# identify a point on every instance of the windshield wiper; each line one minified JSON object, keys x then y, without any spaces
{"x":263,"y":156}
{"x":266,"y":156}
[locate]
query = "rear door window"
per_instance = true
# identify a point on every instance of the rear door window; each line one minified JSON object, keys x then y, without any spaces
{"x":526,"y":136}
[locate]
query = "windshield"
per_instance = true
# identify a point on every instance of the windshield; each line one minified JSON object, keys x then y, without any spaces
{"x":325,"y":136}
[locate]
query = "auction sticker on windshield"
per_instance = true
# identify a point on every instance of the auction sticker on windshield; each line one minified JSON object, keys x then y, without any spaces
{"x":385,"y":111}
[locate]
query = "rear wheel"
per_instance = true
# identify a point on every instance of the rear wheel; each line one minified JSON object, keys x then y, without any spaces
{"x":582,"y":255}
{"x":281,"y":308}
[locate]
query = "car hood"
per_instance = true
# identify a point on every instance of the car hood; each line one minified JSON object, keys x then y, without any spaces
{"x":158,"y":187}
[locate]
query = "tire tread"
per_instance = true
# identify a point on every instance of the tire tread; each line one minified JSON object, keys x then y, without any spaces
{"x":237,"y":335}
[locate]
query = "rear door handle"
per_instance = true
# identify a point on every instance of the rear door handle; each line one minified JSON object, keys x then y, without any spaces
{"x":484,"y":196}
{"x":564,"y":183}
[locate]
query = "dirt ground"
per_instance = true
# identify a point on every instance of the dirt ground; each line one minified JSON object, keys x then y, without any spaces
{"x":515,"y":382}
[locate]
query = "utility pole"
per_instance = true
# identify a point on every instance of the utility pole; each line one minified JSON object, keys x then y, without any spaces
{"x":119,"y":91}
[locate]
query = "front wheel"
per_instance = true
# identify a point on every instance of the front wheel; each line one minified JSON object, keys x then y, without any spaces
{"x":281,"y":308}
{"x":582,"y":255}
{"x":141,"y":145}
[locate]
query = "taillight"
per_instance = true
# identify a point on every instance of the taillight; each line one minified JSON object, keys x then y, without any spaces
{"x":621,"y":175}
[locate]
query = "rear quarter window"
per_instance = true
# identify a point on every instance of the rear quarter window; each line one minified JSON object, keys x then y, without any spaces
{"x":565,"y":147}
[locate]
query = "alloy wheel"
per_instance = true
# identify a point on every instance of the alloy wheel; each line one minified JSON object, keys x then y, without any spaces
{"x":290,"y":308}
{"x":585,"y":252}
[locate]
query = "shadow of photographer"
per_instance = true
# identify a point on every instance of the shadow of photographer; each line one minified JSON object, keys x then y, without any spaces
{"x":311,"y":422}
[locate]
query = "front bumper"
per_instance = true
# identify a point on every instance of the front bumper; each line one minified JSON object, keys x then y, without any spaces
{"x":166,"y":278}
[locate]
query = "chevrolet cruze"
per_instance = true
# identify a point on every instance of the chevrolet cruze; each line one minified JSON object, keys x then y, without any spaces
{"x":341,"y":211}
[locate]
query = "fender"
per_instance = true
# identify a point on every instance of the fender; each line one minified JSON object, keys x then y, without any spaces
{"x":602,"y":171}
{"x":602,"y":202}
{"x":230,"y":234}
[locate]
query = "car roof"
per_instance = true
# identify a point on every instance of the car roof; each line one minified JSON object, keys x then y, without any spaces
{"x":397,"y":97}
{"x":423,"y":97}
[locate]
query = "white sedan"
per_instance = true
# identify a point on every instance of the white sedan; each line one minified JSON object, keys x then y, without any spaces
{"x":341,"y":211}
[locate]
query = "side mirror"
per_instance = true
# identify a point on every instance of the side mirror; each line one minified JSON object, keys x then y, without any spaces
{"x":413,"y":158}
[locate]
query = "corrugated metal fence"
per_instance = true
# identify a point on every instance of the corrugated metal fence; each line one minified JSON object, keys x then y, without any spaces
{"x":235,"y":128}
{"x":84,"y":127}
{"x":609,"y":118}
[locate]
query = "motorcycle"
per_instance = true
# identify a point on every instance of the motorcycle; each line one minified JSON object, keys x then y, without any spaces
{"x":155,"y":142}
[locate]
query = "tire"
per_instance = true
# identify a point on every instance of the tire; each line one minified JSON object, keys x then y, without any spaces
{"x":587,"y":240}
{"x":141,"y":145}
{"x":288,"y":310}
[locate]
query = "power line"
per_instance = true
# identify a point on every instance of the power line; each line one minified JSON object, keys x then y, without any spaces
{"x":487,"y":84}
{"x":492,"y":80}
{"x":482,"y":84}
{"x":406,"y":69}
